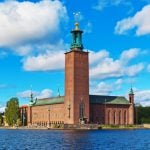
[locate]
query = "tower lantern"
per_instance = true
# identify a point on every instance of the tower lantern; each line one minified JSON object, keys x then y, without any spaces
{"x":76,"y":36}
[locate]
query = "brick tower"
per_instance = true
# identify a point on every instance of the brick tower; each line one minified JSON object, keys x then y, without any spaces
{"x":76,"y":81}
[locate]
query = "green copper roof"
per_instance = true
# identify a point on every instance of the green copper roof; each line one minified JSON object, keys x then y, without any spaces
{"x":94,"y":99}
{"x":76,"y":43}
{"x":131,"y":91}
{"x":32,"y":101}
{"x":50,"y":101}
{"x":108,"y":99}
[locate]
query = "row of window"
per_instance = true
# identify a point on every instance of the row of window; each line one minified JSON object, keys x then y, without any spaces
{"x":45,"y":124}
{"x":52,"y":115}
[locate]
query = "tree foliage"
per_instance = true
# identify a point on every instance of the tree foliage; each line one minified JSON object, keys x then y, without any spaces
{"x":12,"y":111}
{"x":142,"y":114}
{"x":18,"y":123}
{"x":1,"y":118}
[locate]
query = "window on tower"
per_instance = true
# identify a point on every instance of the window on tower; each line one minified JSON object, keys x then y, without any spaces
{"x":81,"y":110}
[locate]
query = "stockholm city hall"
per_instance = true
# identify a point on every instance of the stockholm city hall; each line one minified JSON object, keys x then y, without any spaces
{"x":77,"y":106}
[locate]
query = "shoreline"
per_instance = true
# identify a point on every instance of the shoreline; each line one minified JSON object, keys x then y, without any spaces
{"x":146,"y":126}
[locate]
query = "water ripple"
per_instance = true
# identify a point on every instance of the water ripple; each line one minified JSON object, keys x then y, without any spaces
{"x":75,"y":139}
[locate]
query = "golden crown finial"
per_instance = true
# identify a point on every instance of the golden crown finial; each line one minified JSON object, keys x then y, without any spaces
{"x":76,"y":26}
{"x":76,"y":18}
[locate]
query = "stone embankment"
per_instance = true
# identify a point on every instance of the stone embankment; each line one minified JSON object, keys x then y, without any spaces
{"x":146,"y":126}
{"x":80,"y":127}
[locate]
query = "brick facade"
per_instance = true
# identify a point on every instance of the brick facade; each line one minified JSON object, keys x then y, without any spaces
{"x":76,"y":106}
{"x":110,"y":114}
{"x":46,"y":115}
{"x":76,"y":86}
{"x":114,"y":114}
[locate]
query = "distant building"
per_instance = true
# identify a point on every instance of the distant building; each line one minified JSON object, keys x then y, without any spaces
{"x":77,"y":106}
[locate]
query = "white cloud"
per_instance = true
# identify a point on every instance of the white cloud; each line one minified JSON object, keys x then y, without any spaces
{"x":127,"y":55}
{"x":52,"y":60}
{"x":23,"y":22}
{"x":101,"y":5}
{"x":101,"y":64}
{"x":118,"y":84}
{"x":46,"y":93}
{"x":101,"y":89}
{"x":42,"y":94}
{"x":95,"y":57}
{"x":3,"y":54}
{"x":104,"y":88}
{"x":51,"y":57}
{"x":25,"y":94}
{"x":142,"y":97}
{"x":7,"y":86}
{"x":108,"y":3}
{"x":24,"y":49}
{"x":37,"y":49}
{"x":107,"y":67}
{"x":134,"y":69}
{"x":148,"y":68}
{"x":140,"y":22}
{"x":2,"y":109}
{"x":88,"y":28}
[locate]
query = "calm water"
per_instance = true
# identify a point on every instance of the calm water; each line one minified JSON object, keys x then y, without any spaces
{"x":75,"y":140}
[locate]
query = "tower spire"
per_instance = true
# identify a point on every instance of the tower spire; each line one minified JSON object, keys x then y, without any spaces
{"x":76,"y":35}
{"x":31,"y":97}
{"x":58,"y":92}
{"x":76,"y":18}
{"x":131,"y":91}
{"x":131,"y":96}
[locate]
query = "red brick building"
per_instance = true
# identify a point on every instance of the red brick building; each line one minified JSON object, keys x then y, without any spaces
{"x":77,"y":106}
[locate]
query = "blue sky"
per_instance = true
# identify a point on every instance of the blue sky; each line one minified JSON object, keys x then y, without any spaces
{"x":35,"y":34}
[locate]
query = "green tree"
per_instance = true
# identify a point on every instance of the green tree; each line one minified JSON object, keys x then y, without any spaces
{"x":12,"y":111}
{"x":1,"y":119}
{"x":18,"y":123}
{"x":142,"y":114}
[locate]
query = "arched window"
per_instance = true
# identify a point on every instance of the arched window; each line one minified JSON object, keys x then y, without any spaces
{"x":119,"y":120}
{"x":109,"y":117}
{"x":125,"y":117}
{"x":81,"y":107}
{"x":130,"y":99}
{"x":75,"y":38}
{"x":114,"y":117}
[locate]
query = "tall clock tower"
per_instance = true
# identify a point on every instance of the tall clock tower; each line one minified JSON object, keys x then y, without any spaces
{"x":76,"y":81}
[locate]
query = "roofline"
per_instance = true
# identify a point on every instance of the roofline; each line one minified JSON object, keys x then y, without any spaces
{"x":110,"y":104}
{"x":48,"y":104}
{"x":51,"y":98}
{"x":76,"y":51}
{"x":106,"y":95}
{"x":23,"y":106}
